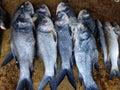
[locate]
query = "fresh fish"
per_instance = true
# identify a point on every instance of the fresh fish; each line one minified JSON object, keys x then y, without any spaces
{"x":22,"y":46}
{"x":44,"y":10}
{"x":85,"y":17}
{"x":64,"y":48}
{"x":113,"y":49}
{"x":86,"y":55}
{"x":63,"y":7}
{"x":47,"y":48}
{"x":103,"y":43}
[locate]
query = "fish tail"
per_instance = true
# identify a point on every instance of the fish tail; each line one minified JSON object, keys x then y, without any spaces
{"x":7,"y":59}
{"x":80,"y":78}
{"x":25,"y":83}
{"x":114,"y":73}
{"x":43,"y":82}
{"x":71,"y":78}
{"x":107,"y":64}
{"x":53,"y":85}
{"x":60,"y":76}
{"x":92,"y":88}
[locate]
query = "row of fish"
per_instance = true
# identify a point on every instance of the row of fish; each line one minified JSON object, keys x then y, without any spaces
{"x":75,"y":39}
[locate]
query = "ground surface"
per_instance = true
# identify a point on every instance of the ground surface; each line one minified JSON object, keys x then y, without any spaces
{"x":104,"y":10}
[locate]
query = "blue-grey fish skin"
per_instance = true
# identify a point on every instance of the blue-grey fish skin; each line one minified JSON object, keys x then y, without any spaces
{"x":44,"y":10}
{"x":47,"y":49}
{"x":64,"y":48}
{"x":103,"y":42}
{"x":113,"y":49}
{"x":85,"y":17}
{"x":63,"y":7}
{"x":22,"y":46}
{"x":86,"y":54}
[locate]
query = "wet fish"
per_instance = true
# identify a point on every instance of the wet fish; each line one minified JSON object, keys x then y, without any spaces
{"x":86,"y":55}
{"x":64,"y":48}
{"x":47,"y":48}
{"x":103,"y":43}
{"x":113,"y":49}
{"x":44,"y":10}
{"x":85,"y":17}
{"x":22,"y":45}
{"x":63,"y":7}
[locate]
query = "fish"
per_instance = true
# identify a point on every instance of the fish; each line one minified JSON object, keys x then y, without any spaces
{"x":28,"y":8}
{"x":113,"y":49}
{"x":43,"y":9}
{"x":103,"y":43}
{"x":64,"y":48}
{"x":22,"y":46}
{"x":47,"y":48}
{"x":86,"y":55}
{"x":63,"y":7}
{"x":85,"y":17}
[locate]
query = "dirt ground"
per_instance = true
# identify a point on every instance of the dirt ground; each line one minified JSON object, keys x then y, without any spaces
{"x":104,"y":10}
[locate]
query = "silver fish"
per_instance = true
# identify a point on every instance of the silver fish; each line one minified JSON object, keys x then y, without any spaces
{"x":113,"y":49}
{"x":103,"y":43}
{"x":86,"y":55}
{"x":22,"y":46}
{"x":47,"y":48}
{"x":64,"y":48}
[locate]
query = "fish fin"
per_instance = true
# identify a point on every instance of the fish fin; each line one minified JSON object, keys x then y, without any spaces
{"x":31,"y":70}
{"x":107,"y":64}
{"x":25,"y":83}
{"x":43,"y":82}
{"x":96,"y":66}
{"x":92,"y":88}
{"x":118,"y":61}
{"x":7,"y":59}
{"x":53,"y":85}
{"x":55,"y":68}
{"x":60,"y":76}
{"x":114,"y":73}
{"x":80,"y":78}
{"x":71,"y":78}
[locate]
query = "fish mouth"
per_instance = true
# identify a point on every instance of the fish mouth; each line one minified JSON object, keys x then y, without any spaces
{"x":83,"y":14}
{"x":61,"y":7}
{"x":45,"y":10}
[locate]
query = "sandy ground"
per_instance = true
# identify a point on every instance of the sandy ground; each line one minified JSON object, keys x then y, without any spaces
{"x":102,"y":10}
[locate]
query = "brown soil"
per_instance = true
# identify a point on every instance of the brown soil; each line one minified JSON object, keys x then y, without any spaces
{"x":104,"y":10}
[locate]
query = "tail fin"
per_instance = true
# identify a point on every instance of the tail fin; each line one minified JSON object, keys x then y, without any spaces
{"x":43,"y":83}
{"x":7,"y":59}
{"x":70,"y":76}
{"x":114,"y":73}
{"x":92,"y":88}
{"x":25,"y":83}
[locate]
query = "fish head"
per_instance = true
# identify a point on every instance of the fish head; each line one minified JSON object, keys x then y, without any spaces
{"x":83,"y":31}
{"x":62,"y":7}
{"x":43,"y":9}
{"x":45,"y":24}
{"x":62,"y":19}
{"x":83,"y":15}
{"x":28,"y":7}
{"x":23,"y":23}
